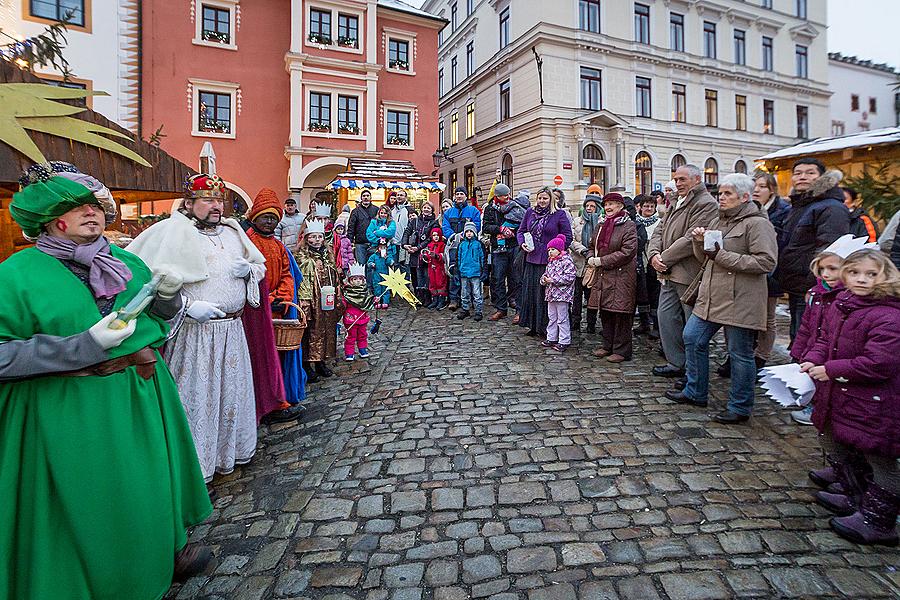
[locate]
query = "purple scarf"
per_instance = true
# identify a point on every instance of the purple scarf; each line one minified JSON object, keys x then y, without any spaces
{"x":108,"y":275}
{"x":540,"y":220}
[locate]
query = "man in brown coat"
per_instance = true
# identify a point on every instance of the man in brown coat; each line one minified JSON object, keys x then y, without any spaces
{"x":671,"y":253}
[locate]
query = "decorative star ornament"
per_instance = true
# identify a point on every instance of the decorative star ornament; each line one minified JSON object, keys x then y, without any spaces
{"x":397,"y":282}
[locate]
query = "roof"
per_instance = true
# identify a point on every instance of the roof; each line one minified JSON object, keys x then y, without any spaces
{"x":888,"y":135}
{"x":852,"y":60}
{"x":374,"y":174}
{"x":401,"y":6}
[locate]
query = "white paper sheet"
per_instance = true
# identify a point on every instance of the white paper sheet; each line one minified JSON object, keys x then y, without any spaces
{"x":786,"y":385}
{"x":710,"y":238}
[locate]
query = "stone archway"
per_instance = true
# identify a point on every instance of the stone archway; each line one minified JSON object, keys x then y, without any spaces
{"x":316,"y":175}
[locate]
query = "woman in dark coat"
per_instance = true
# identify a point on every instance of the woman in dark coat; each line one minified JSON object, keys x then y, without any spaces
{"x":543,"y":222}
{"x":614,"y":253}
{"x":415,"y":239}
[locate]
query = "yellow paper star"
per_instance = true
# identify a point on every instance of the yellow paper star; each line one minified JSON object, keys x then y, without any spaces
{"x":397,"y":282}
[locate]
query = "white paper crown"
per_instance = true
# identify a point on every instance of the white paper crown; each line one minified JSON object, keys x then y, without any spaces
{"x":846,"y":245}
{"x":357,"y":270}
{"x":315,"y":227}
{"x":323,"y":211}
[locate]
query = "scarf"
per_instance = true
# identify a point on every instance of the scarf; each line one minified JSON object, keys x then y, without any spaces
{"x":108,"y":275}
{"x":359,"y":296}
{"x":606,"y":231}
{"x":590,"y":225}
{"x":537,"y":227}
{"x":647,"y":221}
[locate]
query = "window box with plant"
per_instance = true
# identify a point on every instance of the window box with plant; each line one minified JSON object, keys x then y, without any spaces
{"x":221,"y":37}
{"x":347,"y":42}
{"x":320,"y":38}
{"x":397,"y":141}
{"x":319,"y":126}
{"x":348,"y":128}
{"x":400,"y":65}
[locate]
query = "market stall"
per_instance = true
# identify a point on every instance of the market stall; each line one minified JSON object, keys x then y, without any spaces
{"x":382,"y":176}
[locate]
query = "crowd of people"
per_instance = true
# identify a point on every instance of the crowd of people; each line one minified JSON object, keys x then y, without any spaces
{"x":178,"y":331}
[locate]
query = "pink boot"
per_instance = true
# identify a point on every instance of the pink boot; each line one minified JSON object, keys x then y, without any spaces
{"x":876,"y":520}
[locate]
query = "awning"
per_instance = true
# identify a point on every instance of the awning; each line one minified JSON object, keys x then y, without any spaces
{"x":370,"y":184}
{"x":878,"y":137}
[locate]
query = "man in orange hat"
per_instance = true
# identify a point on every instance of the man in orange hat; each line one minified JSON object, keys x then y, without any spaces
{"x":264,"y":217}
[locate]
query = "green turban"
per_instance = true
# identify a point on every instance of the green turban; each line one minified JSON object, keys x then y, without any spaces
{"x":41,"y":202}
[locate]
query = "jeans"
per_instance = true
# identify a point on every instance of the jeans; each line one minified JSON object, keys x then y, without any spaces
{"x":797,"y":305}
{"x":697,"y":334}
{"x":504,"y":280}
{"x":558,"y":329}
{"x":472,"y":293}
{"x":672,"y":316}
{"x":455,"y":285}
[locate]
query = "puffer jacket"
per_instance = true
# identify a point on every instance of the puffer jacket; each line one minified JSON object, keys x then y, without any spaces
{"x":777,"y":212}
{"x":860,"y":403}
{"x":615,"y":287}
{"x":820,"y":298}
{"x":472,"y":258}
{"x":418,"y":234}
{"x":381,"y":228}
{"x":733,"y":288}
{"x":496,"y":215}
{"x":561,"y":275}
{"x":817,"y":218}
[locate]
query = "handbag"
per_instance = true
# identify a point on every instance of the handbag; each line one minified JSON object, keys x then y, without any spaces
{"x":689,"y":296}
{"x":589,"y":278}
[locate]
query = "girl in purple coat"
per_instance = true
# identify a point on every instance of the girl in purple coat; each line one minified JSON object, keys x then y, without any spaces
{"x":559,"y":284}
{"x":857,"y":401}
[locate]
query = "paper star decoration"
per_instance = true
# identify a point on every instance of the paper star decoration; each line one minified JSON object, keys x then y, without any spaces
{"x":397,"y":282}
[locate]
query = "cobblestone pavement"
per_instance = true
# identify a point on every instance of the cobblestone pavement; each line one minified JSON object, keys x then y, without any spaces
{"x":464,"y":461}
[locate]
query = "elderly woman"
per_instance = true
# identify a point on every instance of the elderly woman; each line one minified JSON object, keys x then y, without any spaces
{"x":614,"y":255}
{"x":541,"y":223}
{"x":732,"y":286}
{"x":582,"y":234}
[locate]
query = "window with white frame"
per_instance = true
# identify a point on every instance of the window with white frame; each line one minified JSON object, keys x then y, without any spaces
{"x":320,"y":26}
{"x":470,"y":58}
{"x":504,"y":100}
{"x":398,"y":130}
{"x":400,"y":51}
{"x":454,"y":129}
{"x":331,"y":24}
{"x":591,"y":97}
{"x":215,"y":107}
{"x":470,"y":7}
{"x":589,"y":15}
{"x":348,"y":114}
{"x":453,"y":14}
{"x":319,"y":112}
{"x":470,"y":120}
{"x":441,"y":141}
{"x":440,"y":82}
{"x":215,"y":23}
{"x":348,"y":31}
{"x":398,"y":54}
{"x":504,"y":28}
{"x":333,"y":110}
{"x":453,"y":72}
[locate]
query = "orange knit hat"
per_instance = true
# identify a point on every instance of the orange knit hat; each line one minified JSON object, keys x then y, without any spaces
{"x":595,"y":189}
{"x":266,"y":201}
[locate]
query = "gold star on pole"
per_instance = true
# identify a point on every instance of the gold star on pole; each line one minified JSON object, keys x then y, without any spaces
{"x":397,"y":282}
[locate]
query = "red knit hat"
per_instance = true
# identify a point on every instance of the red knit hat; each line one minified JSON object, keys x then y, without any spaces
{"x":266,"y":201}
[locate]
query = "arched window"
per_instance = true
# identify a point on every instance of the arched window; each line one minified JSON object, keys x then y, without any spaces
{"x":678,"y":161}
{"x":711,"y":171}
{"x":740,"y":167}
{"x":506,"y":170}
{"x":592,"y":171}
{"x":643,"y":173}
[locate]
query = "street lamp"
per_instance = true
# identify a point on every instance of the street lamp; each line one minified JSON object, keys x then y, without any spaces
{"x":439,"y":155}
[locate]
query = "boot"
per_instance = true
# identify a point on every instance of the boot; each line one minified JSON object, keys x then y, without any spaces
{"x":853,"y":476}
{"x":591,"y":321}
{"x":462,"y":314}
{"x":825,"y":476}
{"x":441,"y":303}
{"x":323,"y":370}
{"x":644,"y":327}
{"x":876,"y":520}
{"x":654,"y":326}
{"x":311,"y":375}
{"x":433,"y":304}
{"x":724,"y":369}
{"x":191,"y":560}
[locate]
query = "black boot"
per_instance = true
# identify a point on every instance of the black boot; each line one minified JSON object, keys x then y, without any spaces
{"x":724,"y":369}
{"x":323,"y":370}
{"x":591,"y":321}
{"x":644,"y":327}
{"x":311,"y":375}
{"x":654,"y":326}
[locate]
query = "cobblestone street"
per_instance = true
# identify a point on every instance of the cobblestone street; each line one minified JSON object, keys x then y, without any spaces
{"x":465,"y":461}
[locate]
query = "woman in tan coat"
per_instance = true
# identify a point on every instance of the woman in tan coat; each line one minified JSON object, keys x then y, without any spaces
{"x":613,"y":290}
{"x":731,"y":295}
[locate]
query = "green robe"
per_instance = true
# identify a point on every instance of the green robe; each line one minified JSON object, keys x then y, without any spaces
{"x":98,"y":475}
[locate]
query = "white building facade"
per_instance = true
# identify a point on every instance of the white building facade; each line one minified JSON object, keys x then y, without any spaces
{"x":101,"y":48}
{"x":864,"y":95}
{"x":630,"y":89}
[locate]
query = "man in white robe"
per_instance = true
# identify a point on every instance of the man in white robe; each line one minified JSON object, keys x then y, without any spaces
{"x":208,"y":357}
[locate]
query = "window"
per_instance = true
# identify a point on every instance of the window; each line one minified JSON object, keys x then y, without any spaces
{"x":454,"y":129}
{"x":712,"y":108}
{"x":442,"y":142}
{"x":740,"y":113}
{"x":470,"y":7}
{"x":678,"y":161}
{"x":320,"y":26}
{"x":398,"y":133}
{"x":768,"y":61}
{"x":348,"y":31}
{"x":58,"y":10}
{"x":769,"y":116}
{"x":504,"y":100}
{"x":837,"y":128}
{"x":803,"y":122}
{"x":709,"y":39}
{"x":470,"y":58}
{"x":801,"y":9}
{"x":398,"y":55}
{"x":452,"y":72}
{"x":440,"y":82}
{"x":642,"y":23}
{"x":216,"y":25}
{"x":470,"y":120}
{"x":676,"y":32}
{"x":642,"y":96}
{"x":590,"y":89}
{"x":592,"y":171}
{"x":453,"y":17}
{"x":348,"y":115}
{"x":711,"y":172}
{"x":802,"y":55}
{"x":319,"y":112}
{"x":740,"y":167}
{"x":643,"y":173}
{"x":454,"y":180}
{"x":504,"y":28}
{"x":679,"y":103}
{"x":740,"y":47}
{"x":469,"y":179}
{"x":589,"y":15}
{"x":766,"y":3}
{"x":506,"y":170}
{"x":873,"y":106}
{"x":215,"y":113}
{"x":854,"y":102}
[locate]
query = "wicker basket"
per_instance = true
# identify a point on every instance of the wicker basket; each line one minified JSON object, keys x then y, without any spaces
{"x":289,"y":332}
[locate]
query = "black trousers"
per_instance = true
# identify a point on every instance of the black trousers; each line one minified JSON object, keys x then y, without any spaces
{"x":616,"y":332}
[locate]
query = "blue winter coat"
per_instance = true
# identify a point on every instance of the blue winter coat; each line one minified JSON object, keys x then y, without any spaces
{"x":374,"y":231}
{"x":455,"y":219}
{"x":471,"y":258}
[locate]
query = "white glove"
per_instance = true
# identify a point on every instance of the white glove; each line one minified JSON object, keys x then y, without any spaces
{"x":594,"y":261}
{"x":240,"y":268}
{"x":202,"y":311}
{"x":171,"y":283}
{"x":108,"y":338}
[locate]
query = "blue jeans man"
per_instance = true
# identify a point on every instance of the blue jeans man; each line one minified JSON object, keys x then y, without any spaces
{"x":472,"y":294}
{"x":697,"y":335}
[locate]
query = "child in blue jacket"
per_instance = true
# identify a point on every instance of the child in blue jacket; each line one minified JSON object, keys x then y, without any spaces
{"x":384,"y":257}
{"x":472,"y":261}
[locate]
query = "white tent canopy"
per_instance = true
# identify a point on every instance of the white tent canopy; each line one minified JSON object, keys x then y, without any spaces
{"x":878,"y":137}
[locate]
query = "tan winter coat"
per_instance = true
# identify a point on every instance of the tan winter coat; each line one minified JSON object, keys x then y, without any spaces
{"x":671,"y":239}
{"x":734,"y":290}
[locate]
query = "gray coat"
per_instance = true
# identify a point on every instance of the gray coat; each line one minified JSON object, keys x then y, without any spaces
{"x":671,"y":239}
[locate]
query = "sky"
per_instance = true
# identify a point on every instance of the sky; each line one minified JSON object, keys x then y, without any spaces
{"x":865,"y":28}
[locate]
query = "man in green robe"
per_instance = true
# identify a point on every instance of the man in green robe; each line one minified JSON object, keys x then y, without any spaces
{"x":99,"y":478}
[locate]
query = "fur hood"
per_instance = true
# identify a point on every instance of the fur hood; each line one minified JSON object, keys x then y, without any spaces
{"x":821,"y":188}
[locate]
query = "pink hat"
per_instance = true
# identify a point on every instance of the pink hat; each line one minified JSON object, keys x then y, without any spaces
{"x":559,"y":242}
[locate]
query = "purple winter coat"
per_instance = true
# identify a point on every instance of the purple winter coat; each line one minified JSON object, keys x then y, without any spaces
{"x":561,"y":273}
{"x":810,"y":330}
{"x":555,"y":223}
{"x":860,"y":403}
